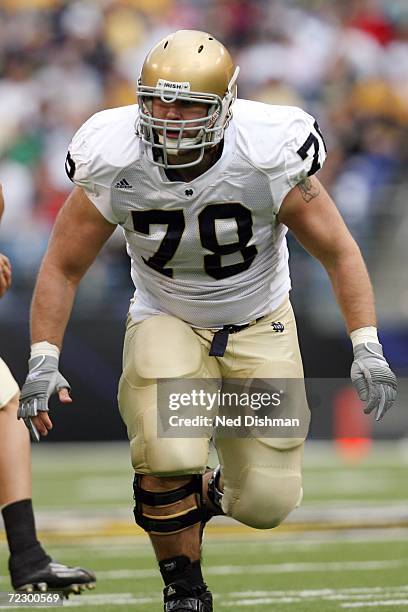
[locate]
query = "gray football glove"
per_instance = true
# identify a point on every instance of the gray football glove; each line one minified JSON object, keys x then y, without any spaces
{"x":375,"y":382}
{"x":43,"y":380}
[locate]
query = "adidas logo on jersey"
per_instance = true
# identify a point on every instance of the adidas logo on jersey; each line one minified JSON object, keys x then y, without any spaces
{"x":123,"y":184}
{"x":278,"y":327}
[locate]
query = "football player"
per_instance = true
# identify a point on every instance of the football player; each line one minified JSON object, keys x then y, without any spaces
{"x":205,"y":187}
{"x":29,"y":565}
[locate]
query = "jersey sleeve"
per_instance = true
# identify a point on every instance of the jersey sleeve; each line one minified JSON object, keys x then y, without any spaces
{"x":86,"y":168}
{"x":302,"y":155}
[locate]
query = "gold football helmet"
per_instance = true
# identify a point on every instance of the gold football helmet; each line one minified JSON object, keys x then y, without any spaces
{"x":190,"y":66}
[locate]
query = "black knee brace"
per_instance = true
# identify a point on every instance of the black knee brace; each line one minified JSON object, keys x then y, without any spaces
{"x":175,"y":522}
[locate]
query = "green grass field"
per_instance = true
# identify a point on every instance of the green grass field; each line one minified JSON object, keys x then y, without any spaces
{"x":346,"y":548}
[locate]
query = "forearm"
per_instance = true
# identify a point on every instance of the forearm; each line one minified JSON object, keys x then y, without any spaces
{"x":352,"y":288}
{"x":52,"y":304}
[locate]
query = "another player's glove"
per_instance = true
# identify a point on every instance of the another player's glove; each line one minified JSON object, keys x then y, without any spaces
{"x":375,"y":382}
{"x":43,"y":380}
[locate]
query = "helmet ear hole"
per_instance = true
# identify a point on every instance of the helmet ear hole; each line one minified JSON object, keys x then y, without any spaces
{"x":200,"y":48}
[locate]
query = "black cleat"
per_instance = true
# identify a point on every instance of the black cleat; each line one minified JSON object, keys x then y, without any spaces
{"x":55,"y":577}
{"x":179,"y":597}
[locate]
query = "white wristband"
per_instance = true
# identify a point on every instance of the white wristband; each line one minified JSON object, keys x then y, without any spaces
{"x":364,"y":334}
{"x":44,"y":348}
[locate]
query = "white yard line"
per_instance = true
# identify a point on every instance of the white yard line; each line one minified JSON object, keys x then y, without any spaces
{"x":379,"y":596}
{"x":260,"y":601}
{"x":283,"y":568}
{"x":353,"y":591}
{"x":289,"y":600}
{"x":375,"y":604}
{"x":382,"y":596}
{"x":276,"y":568}
{"x":113,"y":599}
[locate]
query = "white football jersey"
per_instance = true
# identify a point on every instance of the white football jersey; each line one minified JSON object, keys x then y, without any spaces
{"x":211,"y":251}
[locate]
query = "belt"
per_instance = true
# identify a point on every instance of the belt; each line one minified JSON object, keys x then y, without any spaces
{"x":220,"y":338}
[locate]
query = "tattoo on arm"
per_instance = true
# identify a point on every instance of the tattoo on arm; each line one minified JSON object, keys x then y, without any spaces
{"x":308,"y":189}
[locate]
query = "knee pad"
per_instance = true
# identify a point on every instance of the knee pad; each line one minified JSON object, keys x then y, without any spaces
{"x":168,"y":456}
{"x":263,"y":497}
{"x":172,"y":523}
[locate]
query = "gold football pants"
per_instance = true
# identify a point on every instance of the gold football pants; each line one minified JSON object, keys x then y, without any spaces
{"x":262,"y":476}
{"x":8,"y":386}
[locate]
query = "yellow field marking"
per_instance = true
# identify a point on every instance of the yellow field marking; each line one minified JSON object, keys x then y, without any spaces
{"x":118,"y":528}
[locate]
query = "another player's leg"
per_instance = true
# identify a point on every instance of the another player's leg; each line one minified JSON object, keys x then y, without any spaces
{"x":30,"y":566}
{"x":168,"y":481}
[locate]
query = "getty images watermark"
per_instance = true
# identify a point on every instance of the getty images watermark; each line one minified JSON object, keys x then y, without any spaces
{"x":212,"y":402}
{"x":234,"y":408}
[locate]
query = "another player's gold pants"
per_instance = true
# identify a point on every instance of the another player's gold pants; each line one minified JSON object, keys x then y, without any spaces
{"x":262,"y":476}
{"x":8,"y":386}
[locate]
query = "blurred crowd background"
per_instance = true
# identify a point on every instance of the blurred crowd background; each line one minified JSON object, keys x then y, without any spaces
{"x":346,"y":62}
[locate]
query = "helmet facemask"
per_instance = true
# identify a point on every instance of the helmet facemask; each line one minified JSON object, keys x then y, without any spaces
{"x":196,"y":134}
